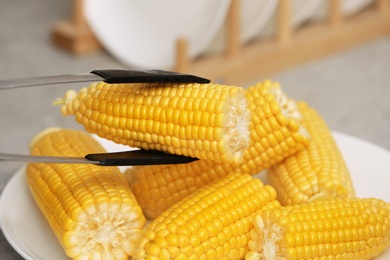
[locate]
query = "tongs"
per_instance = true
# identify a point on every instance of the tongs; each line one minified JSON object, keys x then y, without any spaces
{"x":109,"y":76}
{"x":126,"y":158}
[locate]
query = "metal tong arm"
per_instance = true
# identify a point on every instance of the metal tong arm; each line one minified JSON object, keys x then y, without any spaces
{"x":126,"y":158}
{"x":108,"y":76}
{"x":138,"y":157}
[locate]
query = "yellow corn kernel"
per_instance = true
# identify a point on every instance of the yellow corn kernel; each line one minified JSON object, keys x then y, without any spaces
{"x":212,"y":222}
{"x":317,"y":172}
{"x":275,"y":134}
{"x":90,"y":208}
{"x":206,"y":121}
{"x":348,"y":228}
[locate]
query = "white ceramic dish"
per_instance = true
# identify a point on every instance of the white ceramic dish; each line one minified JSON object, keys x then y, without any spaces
{"x":30,"y":235}
{"x":143,"y":34}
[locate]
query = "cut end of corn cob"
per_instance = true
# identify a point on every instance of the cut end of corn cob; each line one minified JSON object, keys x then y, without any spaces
{"x":90,"y":208}
{"x":211,"y":223}
{"x":206,"y":121}
{"x":237,"y":125}
{"x":329,"y":229}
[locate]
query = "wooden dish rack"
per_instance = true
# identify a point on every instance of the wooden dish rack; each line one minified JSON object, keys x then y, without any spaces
{"x":238,"y":64}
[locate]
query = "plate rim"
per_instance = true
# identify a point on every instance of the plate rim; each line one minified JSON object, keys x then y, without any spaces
{"x":18,"y":247}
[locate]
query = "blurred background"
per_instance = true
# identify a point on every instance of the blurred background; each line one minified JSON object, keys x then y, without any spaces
{"x":338,"y":63}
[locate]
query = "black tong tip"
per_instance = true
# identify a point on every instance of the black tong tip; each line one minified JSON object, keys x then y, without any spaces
{"x":138,"y":157}
{"x":147,"y":76}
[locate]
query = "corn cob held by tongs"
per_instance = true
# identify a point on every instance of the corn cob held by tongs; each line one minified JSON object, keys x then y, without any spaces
{"x":138,"y":157}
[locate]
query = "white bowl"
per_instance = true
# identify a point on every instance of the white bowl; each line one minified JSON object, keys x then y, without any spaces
{"x":143,"y":34}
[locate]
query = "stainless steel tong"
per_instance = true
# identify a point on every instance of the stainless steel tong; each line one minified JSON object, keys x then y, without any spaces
{"x":109,"y":76}
{"x":127,"y":158}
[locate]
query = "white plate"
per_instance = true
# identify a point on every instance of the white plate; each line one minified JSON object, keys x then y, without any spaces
{"x":143,"y":34}
{"x":27,"y":231}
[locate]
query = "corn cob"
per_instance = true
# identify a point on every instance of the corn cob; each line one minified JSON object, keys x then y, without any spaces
{"x":275,"y":133}
{"x":90,"y":208}
{"x":327,"y":229}
{"x":205,"y":121}
{"x":317,"y":172}
{"x":212,"y":223}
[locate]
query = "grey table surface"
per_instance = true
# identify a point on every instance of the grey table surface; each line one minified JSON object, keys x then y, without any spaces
{"x":350,"y":89}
